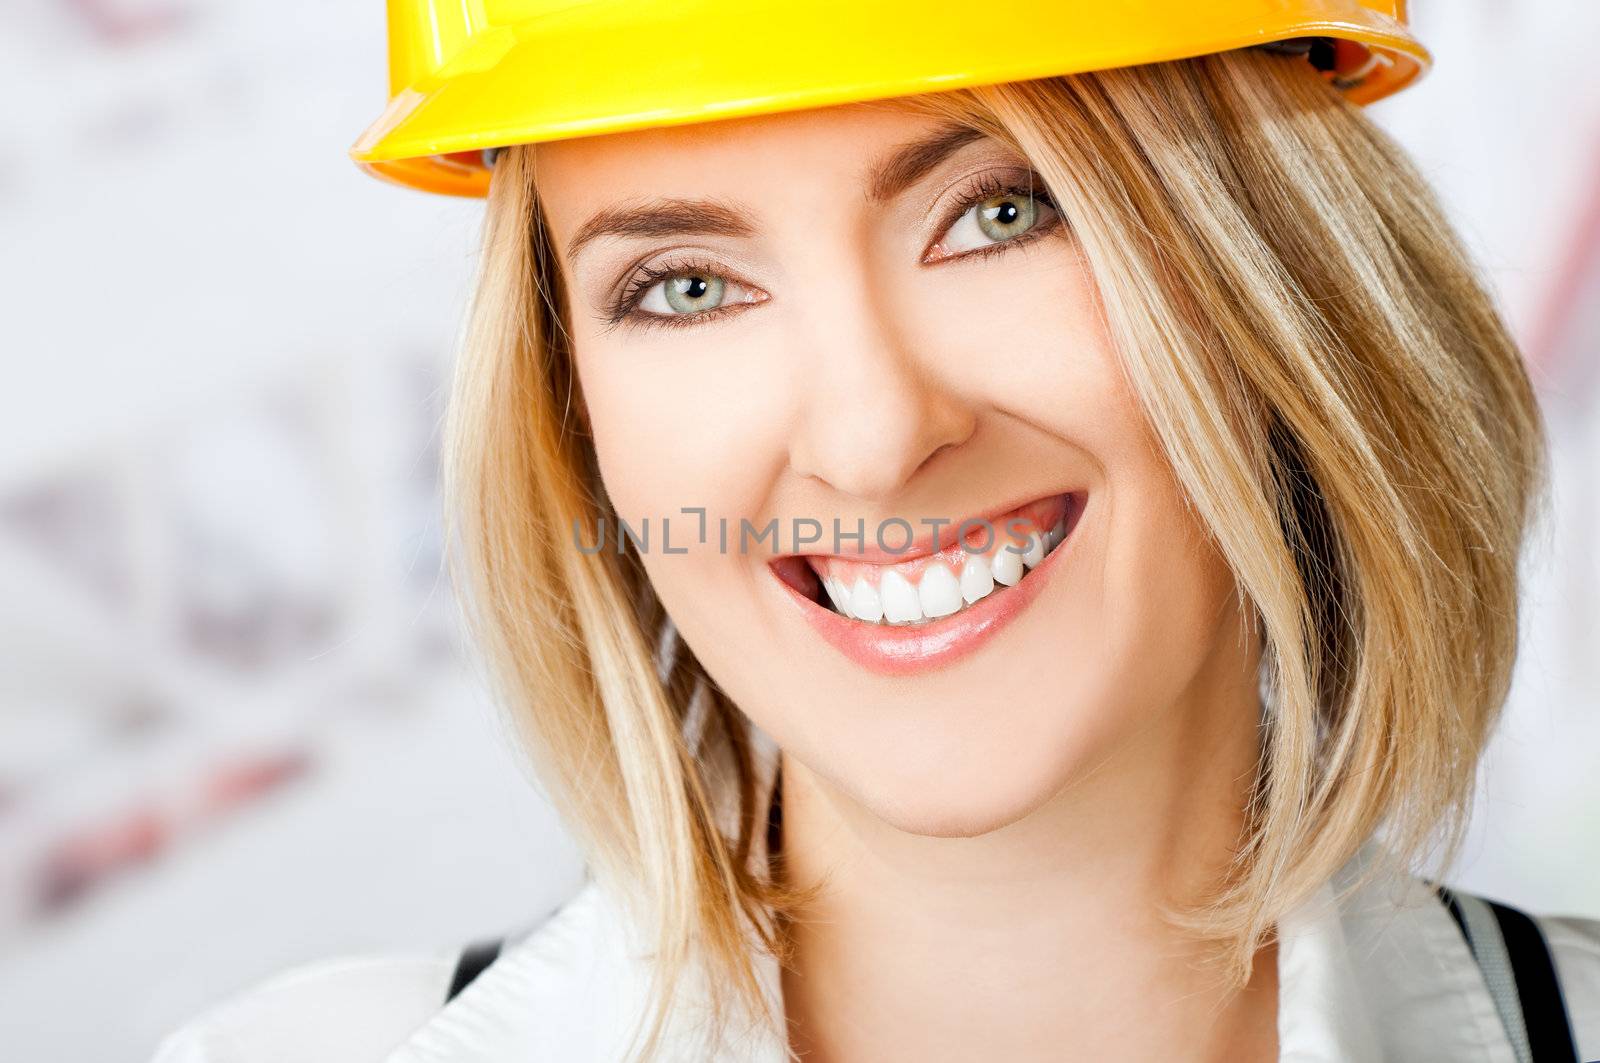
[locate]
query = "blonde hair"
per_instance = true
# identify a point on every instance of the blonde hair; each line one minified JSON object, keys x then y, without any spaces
{"x":1330,"y":382}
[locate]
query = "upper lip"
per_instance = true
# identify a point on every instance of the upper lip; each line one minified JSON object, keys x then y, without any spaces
{"x":924,"y":542}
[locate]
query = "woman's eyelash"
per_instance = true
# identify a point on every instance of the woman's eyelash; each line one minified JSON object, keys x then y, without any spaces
{"x":645,"y":278}
{"x":625,"y":308}
{"x":988,"y":186}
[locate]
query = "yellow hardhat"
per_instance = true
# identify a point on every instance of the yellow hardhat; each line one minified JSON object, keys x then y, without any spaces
{"x":466,"y":75}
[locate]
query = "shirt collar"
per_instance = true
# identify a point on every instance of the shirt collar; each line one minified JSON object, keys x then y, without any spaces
{"x":1375,"y":973}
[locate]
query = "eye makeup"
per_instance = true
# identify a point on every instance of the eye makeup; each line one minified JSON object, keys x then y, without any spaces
{"x":981,"y":188}
{"x":623,"y":307}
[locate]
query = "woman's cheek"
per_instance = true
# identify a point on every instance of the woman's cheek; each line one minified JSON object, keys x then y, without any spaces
{"x":678,"y":435}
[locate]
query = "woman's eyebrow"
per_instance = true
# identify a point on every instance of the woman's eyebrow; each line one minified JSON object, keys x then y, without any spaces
{"x":662,"y":217}
{"x":656,"y":218}
{"x":913,"y":161}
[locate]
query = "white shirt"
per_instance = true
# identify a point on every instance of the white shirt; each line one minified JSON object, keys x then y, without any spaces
{"x":1386,"y":975}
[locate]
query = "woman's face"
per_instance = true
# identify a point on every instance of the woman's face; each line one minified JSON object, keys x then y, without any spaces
{"x":855,"y":317}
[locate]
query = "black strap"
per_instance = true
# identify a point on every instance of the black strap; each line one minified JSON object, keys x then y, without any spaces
{"x":1448,"y":896}
{"x":1544,"y":1010}
{"x":475,"y":959}
{"x":1543,"y":1007}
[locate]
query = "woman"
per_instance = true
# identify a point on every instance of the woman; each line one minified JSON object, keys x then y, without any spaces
{"x":982,"y":540}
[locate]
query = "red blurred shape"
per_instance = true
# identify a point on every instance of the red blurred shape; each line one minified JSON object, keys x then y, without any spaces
{"x":122,"y":22}
{"x":1564,"y":306}
{"x":239,"y":782}
{"x":85,"y":857}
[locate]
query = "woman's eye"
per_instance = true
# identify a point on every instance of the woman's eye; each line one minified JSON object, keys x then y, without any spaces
{"x":994,"y":221}
{"x":692,"y":293}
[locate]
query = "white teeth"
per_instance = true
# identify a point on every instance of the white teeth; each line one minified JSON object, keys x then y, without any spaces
{"x":864,"y":602}
{"x":976,"y":578}
{"x":1034,"y":553}
{"x":838,"y":594}
{"x":900,"y":602}
{"x":1007,"y":566}
{"x":847,"y":595}
{"x":1053,"y":537}
{"x":939,"y":593}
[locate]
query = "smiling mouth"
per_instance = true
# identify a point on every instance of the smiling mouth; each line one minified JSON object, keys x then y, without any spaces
{"x":921,"y":591}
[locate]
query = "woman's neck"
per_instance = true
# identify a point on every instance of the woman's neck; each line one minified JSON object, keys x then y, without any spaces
{"x":1040,"y":940}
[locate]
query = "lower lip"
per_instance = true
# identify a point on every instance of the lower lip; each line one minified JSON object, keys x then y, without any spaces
{"x":905,"y":650}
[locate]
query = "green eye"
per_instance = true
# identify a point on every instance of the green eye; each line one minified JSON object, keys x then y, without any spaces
{"x":682,"y":293}
{"x":1002,"y":217}
{"x":998,"y":219}
{"x":686,"y":293}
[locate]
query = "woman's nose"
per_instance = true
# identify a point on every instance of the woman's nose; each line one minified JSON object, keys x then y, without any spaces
{"x":873,"y":406}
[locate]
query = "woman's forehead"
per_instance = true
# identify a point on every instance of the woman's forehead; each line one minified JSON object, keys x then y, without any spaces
{"x":844,"y":138}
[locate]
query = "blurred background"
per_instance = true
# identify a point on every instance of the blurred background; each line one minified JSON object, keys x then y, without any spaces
{"x":237,"y":728}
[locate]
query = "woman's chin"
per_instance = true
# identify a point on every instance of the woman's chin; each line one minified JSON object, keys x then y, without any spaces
{"x":930,"y":820}
{"x":943,"y":804}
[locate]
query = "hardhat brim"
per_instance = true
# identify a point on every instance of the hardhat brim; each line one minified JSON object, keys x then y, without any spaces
{"x":606,"y":68}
